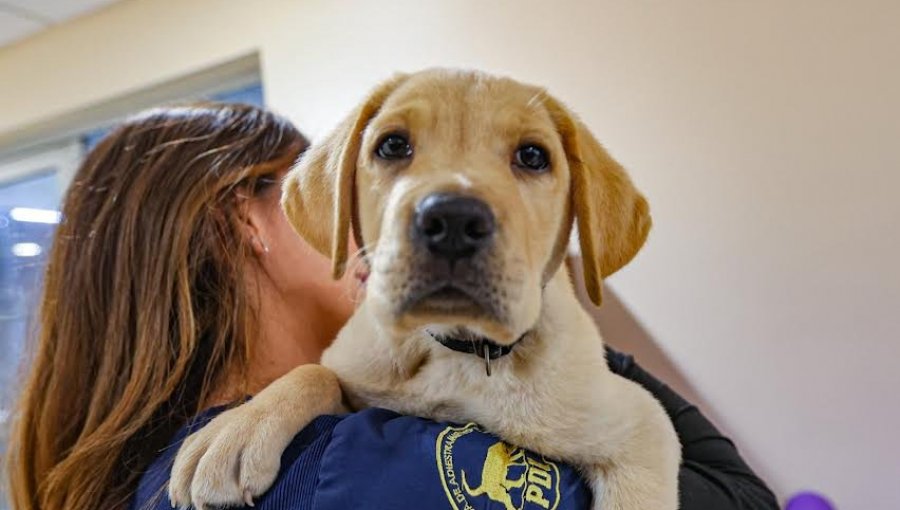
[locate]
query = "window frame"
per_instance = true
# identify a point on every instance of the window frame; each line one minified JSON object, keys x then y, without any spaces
{"x":62,"y":158}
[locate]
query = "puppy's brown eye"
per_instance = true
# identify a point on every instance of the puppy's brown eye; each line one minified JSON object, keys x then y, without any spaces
{"x":532,"y":158}
{"x":394,"y":146}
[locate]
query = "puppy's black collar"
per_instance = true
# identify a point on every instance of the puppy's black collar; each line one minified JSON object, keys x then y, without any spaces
{"x":482,"y":347}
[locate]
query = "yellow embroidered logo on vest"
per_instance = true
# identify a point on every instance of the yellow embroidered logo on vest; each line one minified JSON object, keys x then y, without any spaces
{"x":509,"y":475}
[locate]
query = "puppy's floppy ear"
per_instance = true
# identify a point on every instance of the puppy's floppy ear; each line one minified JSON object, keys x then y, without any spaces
{"x":613,"y":217}
{"x":318,"y":193}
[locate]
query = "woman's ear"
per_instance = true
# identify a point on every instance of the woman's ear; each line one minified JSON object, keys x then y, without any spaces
{"x":318,"y":193}
{"x":251,"y":217}
{"x":613,"y":217}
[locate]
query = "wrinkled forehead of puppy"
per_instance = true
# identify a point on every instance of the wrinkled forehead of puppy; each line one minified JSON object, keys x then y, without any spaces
{"x":464,"y":102}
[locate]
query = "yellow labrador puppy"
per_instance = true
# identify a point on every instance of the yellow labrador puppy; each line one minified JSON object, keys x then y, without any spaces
{"x":463,"y":188}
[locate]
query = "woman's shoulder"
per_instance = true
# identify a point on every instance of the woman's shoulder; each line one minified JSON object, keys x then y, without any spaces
{"x":294,"y":488}
{"x":379,"y":459}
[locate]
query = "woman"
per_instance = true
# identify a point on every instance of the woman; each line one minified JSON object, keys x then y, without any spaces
{"x":176,"y":287}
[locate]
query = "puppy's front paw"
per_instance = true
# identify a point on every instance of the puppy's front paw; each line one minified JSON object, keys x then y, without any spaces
{"x":236,"y":457}
{"x":232,"y":460}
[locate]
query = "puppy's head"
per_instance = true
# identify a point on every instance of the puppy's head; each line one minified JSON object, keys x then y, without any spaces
{"x":461,"y":188}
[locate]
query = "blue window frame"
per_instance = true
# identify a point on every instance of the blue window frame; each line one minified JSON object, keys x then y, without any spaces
{"x":247,"y":94}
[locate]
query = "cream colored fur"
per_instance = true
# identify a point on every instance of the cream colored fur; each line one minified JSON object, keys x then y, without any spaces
{"x":554,"y":393}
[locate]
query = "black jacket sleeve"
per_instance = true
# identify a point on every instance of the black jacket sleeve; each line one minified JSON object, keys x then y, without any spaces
{"x":713,"y":475}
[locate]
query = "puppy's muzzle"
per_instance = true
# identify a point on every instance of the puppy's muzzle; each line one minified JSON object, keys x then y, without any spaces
{"x":451,"y":270}
{"x":453,"y":227}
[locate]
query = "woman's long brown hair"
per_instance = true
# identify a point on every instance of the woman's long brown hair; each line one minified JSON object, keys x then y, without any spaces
{"x":145,"y":304}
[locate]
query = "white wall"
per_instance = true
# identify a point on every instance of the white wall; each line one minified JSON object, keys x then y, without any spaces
{"x":765,"y":135}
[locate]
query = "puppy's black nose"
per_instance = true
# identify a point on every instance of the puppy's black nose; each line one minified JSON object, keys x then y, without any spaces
{"x":453,"y":226}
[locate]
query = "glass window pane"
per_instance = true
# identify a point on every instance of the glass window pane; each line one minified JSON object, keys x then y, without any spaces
{"x":251,"y":94}
{"x":28,"y":217}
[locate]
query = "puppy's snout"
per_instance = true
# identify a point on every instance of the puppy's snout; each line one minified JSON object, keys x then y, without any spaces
{"x":453,"y":226}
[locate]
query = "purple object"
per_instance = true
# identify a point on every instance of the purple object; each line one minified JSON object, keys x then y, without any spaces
{"x":809,"y":501}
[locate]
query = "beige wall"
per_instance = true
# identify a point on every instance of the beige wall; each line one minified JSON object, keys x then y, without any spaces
{"x":764,"y":133}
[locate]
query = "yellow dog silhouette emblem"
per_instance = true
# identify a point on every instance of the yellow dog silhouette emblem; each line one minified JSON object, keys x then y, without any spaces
{"x":495,"y":481}
{"x":510,"y":476}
